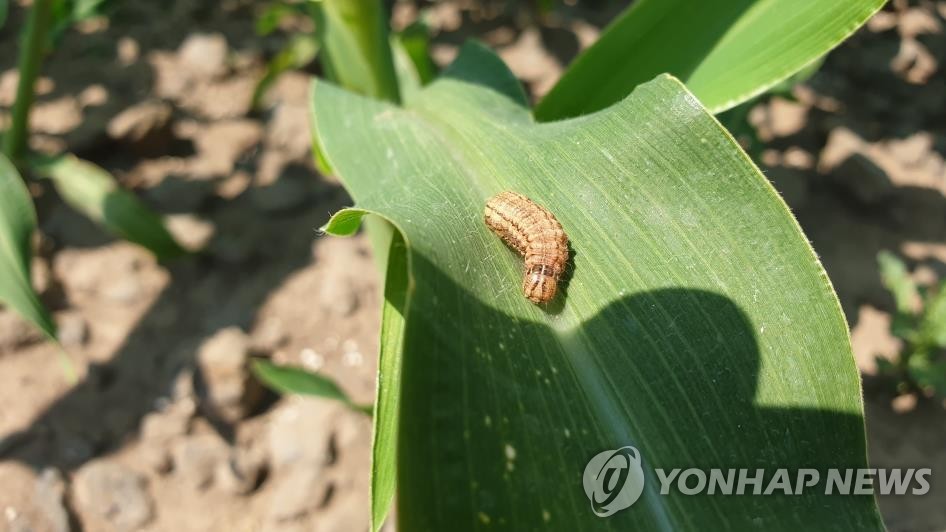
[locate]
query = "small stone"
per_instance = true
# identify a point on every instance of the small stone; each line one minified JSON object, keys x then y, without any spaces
{"x":298,"y":492}
{"x":109,"y":496}
{"x":182,"y":388}
{"x":56,"y":117}
{"x":204,"y":54}
{"x":40,"y":274}
{"x":233,"y":186}
{"x":170,"y":80}
{"x":124,"y":290}
{"x":196,"y":459}
{"x":350,"y":428}
{"x":300,"y":431}
{"x":72,"y":330}
{"x":8,"y":84}
{"x":241,"y":473}
{"x":288,"y":130}
{"x":798,"y":158}
{"x":269,"y":335}
{"x":218,"y":100}
{"x":912,"y":150}
{"x":191,"y":232}
{"x":918,"y":21}
{"x":31,"y":501}
{"x":311,"y":360}
{"x":914,"y":62}
{"x":127,"y":50}
{"x":145,"y":127}
{"x":93,"y":96}
{"x":49,"y":493}
{"x":842,"y":143}
{"x":903,"y":404}
{"x":339,"y":297}
{"x":782,"y":118}
{"x":863,"y":179}
{"x":220,"y":144}
{"x":160,"y":429}
{"x":882,"y":21}
{"x":230,"y":392}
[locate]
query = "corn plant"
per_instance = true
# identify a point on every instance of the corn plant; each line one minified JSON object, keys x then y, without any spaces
{"x":695,"y":323}
{"x":85,"y":186}
{"x":920,"y":321}
{"x":299,"y":51}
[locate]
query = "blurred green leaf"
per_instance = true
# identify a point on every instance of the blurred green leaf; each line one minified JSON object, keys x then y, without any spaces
{"x":783,"y":89}
{"x":355,"y":50}
{"x":4,"y":10}
{"x":94,"y":192}
{"x":408,"y":79}
{"x":273,"y":14}
{"x":415,"y":40}
{"x":85,"y":9}
{"x":694,"y":306}
{"x":286,"y":379}
{"x":66,"y":13}
{"x":934,"y":318}
{"x":886,"y":367}
{"x":726,"y":52}
{"x":894,"y":275}
{"x":17,"y":223}
{"x":929,"y":375}
{"x":297,"y":53}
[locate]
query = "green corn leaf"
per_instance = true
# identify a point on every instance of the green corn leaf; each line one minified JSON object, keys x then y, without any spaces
{"x":17,"y":223}
{"x":726,"y":52}
{"x":933,"y":328}
{"x":928,"y":373}
{"x":696,"y":323}
{"x":415,"y":41}
{"x":384,"y":446}
{"x":408,"y":78}
{"x":356,"y":52}
{"x":272,"y":15}
{"x":94,"y":192}
{"x":287,"y":379}
{"x":894,"y":275}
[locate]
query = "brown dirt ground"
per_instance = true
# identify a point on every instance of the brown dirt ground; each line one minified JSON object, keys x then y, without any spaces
{"x":159,"y":95}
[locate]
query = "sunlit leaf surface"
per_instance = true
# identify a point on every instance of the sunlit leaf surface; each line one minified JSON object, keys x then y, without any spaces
{"x":725,"y":51}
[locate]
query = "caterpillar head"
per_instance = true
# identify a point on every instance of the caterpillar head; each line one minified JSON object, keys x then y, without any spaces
{"x":540,"y":284}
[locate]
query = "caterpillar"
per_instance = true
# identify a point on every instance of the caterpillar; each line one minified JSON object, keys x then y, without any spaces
{"x":534,"y":232}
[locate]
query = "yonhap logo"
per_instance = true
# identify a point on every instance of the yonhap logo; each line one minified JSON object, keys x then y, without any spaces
{"x":613,"y":480}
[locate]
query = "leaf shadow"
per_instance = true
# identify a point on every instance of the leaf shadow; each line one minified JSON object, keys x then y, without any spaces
{"x":500,"y":415}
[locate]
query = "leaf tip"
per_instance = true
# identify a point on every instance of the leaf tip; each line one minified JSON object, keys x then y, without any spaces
{"x":345,"y":222}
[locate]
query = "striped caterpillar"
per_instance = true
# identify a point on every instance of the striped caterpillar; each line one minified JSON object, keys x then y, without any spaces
{"x":534,"y":232}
